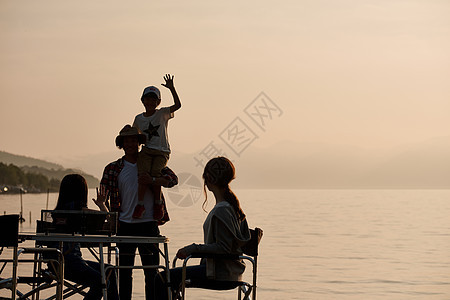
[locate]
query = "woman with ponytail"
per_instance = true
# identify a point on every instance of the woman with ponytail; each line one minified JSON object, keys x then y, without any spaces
{"x":225,"y":231}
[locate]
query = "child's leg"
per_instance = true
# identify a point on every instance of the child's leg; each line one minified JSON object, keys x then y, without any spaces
{"x":141,"y":192}
{"x":144,"y":164}
{"x":159,"y":162}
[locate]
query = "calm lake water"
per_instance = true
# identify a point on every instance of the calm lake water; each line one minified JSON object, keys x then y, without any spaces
{"x":323,"y":244}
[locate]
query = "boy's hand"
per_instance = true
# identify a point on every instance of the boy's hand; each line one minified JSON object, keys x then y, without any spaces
{"x":176,"y":100}
{"x":169,"y":81}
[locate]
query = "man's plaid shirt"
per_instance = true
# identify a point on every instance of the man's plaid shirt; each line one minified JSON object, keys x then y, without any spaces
{"x":110,"y":182}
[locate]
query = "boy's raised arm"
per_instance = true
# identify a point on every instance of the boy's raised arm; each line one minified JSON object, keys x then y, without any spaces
{"x":169,"y":84}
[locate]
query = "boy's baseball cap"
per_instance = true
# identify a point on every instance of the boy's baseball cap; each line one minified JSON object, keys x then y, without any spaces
{"x":151,"y":89}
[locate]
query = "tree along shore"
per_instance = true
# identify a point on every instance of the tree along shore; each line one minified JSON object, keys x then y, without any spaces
{"x":14,"y":180}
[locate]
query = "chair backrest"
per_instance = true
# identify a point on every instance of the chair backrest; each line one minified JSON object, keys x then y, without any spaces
{"x":251,"y":248}
{"x":73,"y":221}
{"x":9,"y":230}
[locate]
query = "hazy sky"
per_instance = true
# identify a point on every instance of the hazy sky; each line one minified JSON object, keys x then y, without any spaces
{"x":372,"y":74}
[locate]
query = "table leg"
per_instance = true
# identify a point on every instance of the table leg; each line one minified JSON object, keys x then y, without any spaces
{"x":102,"y":271}
{"x":166,"y":259}
{"x":60,"y":286}
{"x":14,"y":275}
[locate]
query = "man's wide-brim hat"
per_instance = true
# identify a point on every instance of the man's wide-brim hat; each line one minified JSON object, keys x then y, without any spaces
{"x":128,"y":130}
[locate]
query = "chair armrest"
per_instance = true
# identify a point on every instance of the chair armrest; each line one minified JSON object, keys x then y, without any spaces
{"x":214,"y":255}
{"x":209,"y":255}
{"x":39,"y":250}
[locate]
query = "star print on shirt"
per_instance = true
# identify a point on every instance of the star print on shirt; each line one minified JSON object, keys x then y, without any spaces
{"x":152,"y":130}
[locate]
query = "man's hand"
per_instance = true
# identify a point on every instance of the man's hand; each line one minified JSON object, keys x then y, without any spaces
{"x":146,"y":179}
{"x":169,"y":82}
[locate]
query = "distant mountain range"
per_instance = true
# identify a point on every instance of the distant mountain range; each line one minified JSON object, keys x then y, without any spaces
{"x":295,"y":165}
{"x":292,"y":165}
{"x":49,"y":169}
{"x":21,"y":161}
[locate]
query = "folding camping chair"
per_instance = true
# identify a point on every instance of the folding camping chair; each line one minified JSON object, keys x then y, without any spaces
{"x":9,"y":237}
{"x":245,"y":288}
{"x":79,"y":222}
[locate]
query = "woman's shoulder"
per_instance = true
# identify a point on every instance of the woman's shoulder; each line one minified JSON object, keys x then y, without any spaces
{"x":222,"y":206}
{"x":225,"y":215}
{"x":223,"y":211}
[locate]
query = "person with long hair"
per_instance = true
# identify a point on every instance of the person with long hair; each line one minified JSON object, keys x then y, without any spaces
{"x":73,"y":194}
{"x":225,"y":231}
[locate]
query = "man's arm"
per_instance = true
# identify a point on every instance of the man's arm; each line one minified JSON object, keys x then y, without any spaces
{"x":105,"y":183}
{"x":176,"y":100}
{"x":108,"y":181}
{"x":168,"y":178}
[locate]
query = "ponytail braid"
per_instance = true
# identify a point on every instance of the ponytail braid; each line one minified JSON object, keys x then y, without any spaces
{"x":231,"y":198}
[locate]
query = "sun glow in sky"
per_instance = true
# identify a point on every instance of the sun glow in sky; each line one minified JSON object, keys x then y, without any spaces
{"x":366,"y":73}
